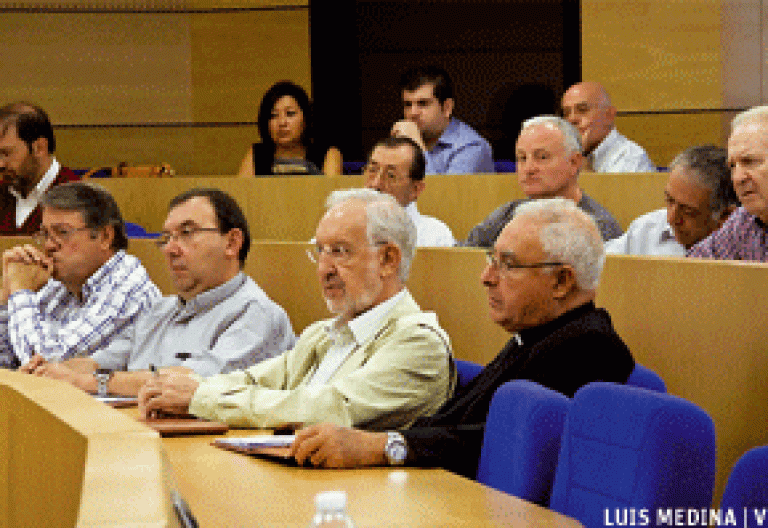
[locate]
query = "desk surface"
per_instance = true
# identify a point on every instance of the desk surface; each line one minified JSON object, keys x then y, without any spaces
{"x":253,"y":492}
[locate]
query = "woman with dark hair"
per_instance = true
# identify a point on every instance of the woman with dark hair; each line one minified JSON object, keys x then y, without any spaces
{"x":287,"y":145}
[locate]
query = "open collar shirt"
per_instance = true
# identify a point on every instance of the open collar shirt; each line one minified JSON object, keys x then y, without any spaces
{"x":430,"y":232}
{"x":25,"y":205}
{"x":459,"y":150}
{"x":616,"y":153}
{"x":649,"y":234}
{"x":58,"y":325}
{"x":229,"y":327}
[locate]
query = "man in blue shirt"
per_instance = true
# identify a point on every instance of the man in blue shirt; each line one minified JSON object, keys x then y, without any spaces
{"x":450,"y":145}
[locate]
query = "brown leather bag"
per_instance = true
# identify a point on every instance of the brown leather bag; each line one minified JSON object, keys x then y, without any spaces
{"x":123,"y":170}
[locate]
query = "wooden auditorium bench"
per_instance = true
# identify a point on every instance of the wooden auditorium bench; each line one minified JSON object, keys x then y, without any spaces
{"x":288,"y":208}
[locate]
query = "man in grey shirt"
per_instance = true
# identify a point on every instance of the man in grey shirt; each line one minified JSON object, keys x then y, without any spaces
{"x":219,"y":321}
{"x":548,"y":153}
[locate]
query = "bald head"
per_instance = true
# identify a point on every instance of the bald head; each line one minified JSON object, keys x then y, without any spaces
{"x":587,"y":106}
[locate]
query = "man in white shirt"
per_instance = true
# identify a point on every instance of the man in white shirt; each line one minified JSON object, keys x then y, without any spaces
{"x":699,"y":196}
{"x":396,"y":167}
{"x":28,"y":166}
{"x":588,"y":107}
{"x":380,"y":361}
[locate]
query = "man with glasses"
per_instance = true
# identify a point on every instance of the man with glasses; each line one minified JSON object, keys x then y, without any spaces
{"x":380,"y":362}
{"x":78,"y":290}
{"x":219,"y":321}
{"x":548,"y":153}
{"x":396,"y":167}
{"x":541,"y":278}
{"x":28,"y":166}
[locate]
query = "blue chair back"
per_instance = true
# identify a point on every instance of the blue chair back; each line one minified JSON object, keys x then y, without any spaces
{"x":747,"y":487}
{"x":466,"y":370}
{"x":626,"y":448}
{"x":522,"y":440}
{"x":645,"y":378}
{"x":136,"y":231}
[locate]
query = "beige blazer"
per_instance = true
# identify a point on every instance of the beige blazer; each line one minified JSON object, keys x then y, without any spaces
{"x":402,"y":372}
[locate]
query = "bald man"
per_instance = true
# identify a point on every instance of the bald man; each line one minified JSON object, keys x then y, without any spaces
{"x":587,"y":106}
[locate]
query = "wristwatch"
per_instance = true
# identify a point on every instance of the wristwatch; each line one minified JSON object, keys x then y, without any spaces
{"x":102,"y":376}
{"x":396,"y":449}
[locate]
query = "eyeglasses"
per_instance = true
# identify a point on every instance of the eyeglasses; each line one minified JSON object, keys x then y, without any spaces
{"x":182,"y":235}
{"x":338,"y":253}
{"x":58,"y":234}
{"x":371,"y":170}
{"x":505,"y":263}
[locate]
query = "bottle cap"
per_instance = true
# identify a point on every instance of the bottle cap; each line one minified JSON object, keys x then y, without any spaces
{"x":331,"y":500}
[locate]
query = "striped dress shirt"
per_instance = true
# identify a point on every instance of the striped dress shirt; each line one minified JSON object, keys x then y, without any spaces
{"x":57,"y":325}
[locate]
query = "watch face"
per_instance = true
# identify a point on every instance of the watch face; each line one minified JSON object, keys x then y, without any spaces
{"x":103,"y":372}
{"x":397,"y":452}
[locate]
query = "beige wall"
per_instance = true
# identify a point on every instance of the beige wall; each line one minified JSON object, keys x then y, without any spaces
{"x":130,"y":85}
{"x":698,"y":55}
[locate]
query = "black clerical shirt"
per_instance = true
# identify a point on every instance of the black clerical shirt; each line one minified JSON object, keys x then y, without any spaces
{"x":579,"y":347}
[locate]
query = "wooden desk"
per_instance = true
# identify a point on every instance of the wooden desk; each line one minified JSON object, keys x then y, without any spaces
{"x":224,"y":488}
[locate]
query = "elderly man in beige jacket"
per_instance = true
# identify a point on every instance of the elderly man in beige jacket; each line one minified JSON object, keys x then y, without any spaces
{"x":380,"y":363}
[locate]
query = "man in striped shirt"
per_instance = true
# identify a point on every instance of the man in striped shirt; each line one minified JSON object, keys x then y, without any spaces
{"x":74,"y":292}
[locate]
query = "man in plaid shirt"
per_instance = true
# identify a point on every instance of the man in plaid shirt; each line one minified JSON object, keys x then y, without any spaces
{"x":744,"y":236}
{"x":78,"y":289}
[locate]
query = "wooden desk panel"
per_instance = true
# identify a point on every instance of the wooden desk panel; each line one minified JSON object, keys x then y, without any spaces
{"x":230,"y":489}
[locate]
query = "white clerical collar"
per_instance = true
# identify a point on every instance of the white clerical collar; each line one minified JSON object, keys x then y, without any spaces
{"x":25,"y":205}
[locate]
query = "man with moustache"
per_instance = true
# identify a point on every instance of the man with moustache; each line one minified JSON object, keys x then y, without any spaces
{"x":220,"y":320}
{"x":78,"y":289}
{"x":381,"y":362}
{"x":28,"y":167}
{"x":541,"y":279}
{"x":586,"y":106}
{"x":548,"y":153}
{"x":744,"y":236}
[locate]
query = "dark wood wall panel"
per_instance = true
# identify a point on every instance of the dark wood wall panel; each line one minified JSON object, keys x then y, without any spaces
{"x":506,"y":60}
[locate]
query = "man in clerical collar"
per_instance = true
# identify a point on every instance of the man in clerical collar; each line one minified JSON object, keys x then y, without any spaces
{"x":380,"y":362}
{"x":28,"y":167}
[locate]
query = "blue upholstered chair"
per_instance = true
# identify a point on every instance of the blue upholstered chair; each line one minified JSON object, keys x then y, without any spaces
{"x":747,"y":486}
{"x":645,"y":378}
{"x":136,"y":231}
{"x":466,"y":371}
{"x":629,"y":448}
{"x":522,"y":440}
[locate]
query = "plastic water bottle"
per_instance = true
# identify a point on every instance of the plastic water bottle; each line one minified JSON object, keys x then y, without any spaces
{"x":331,"y":511}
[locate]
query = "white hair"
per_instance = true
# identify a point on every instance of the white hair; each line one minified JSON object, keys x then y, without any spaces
{"x":387,"y":221}
{"x":755,"y":114}
{"x":571,"y":136}
{"x":568,"y":235}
